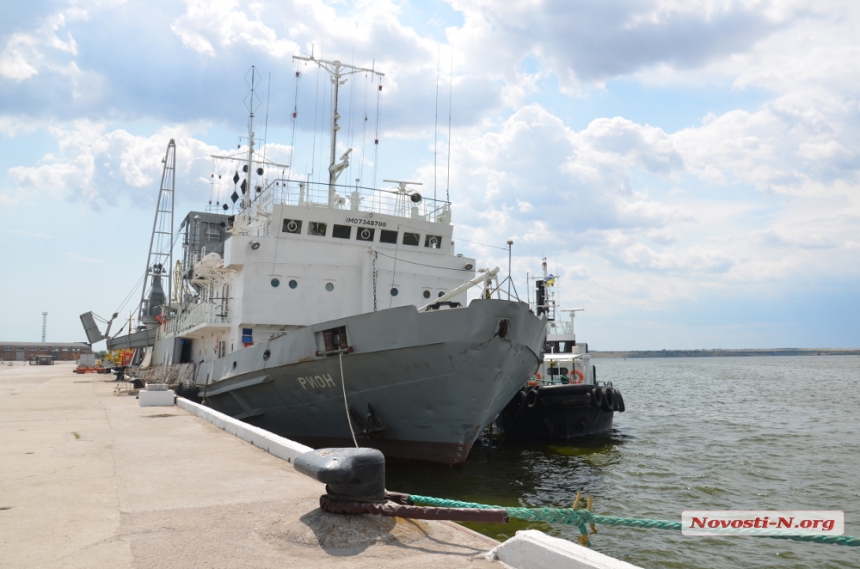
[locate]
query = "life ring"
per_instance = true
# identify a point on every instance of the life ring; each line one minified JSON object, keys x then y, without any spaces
{"x":579,"y":375}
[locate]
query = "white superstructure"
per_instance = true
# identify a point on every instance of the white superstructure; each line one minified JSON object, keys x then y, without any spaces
{"x":301,"y":261}
{"x":299,"y":253}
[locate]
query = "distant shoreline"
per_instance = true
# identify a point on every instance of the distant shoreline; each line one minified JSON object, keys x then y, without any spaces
{"x":727,"y":353}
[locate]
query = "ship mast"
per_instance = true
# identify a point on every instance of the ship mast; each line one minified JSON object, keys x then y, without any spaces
{"x":242,"y":222}
{"x":338,"y":72}
{"x":246,"y":195}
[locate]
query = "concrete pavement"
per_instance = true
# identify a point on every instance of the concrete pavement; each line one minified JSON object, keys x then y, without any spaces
{"x":90,"y":479}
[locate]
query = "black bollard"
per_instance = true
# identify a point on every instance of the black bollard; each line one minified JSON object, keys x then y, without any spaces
{"x":350,"y":474}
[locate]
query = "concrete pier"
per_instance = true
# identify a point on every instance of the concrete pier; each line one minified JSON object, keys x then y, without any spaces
{"x":90,"y":479}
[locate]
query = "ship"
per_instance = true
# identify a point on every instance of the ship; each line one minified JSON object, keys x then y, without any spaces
{"x":563,"y":400}
{"x":334,"y":315}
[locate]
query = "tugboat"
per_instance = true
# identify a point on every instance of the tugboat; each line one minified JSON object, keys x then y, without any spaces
{"x":563,"y":400}
{"x":334,"y":315}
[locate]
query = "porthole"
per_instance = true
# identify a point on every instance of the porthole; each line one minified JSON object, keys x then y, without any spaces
{"x":329,"y":287}
{"x":275,"y":283}
{"x":267,"y":354}
{"x":394,"y":292}
{"x":293,"y":284}
{"x":441,"y":294}
{"x":234,"y":365}
{"x":426,"y":294}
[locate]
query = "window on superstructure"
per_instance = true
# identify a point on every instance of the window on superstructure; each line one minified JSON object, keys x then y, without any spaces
{"x":341,"y":231}
{"x":292,"y":226}
{"x":365,"y":234}
{"x":413,"y":239}
{"x":386,"y":236}
{"x":433,"y":241}
{"x":317,"y":228}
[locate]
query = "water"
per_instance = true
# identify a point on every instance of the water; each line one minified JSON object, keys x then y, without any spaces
{"x":765,"y":433}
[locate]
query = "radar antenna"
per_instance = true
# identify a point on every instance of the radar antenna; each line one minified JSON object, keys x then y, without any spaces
{"x":403,"y":193}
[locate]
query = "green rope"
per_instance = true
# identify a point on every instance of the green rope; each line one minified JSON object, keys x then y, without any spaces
{"x":580,"y":518}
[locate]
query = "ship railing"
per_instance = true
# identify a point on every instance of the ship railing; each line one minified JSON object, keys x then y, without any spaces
{"x":411,"y":204}
{"x":207,"y":312}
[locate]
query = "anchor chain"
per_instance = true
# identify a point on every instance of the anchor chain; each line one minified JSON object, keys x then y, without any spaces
{"x":375,"y":273}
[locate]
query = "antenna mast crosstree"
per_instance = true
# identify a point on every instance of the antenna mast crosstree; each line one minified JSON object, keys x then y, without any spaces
{"x":337,"y":71}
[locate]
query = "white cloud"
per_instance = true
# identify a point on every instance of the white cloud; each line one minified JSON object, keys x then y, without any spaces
{"x":26,"y":53}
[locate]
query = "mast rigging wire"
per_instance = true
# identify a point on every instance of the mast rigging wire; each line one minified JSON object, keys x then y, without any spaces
{"x":363,"y":130}
{"x":450,"y":106}
{"x":295,"y":115}
{"x":316,"y":108}
{"x":436,"y":119}
{"x":266,"y":124}
{"x":396,"y":260}
{"x":349,"y":128}
{"x":376,"y":139}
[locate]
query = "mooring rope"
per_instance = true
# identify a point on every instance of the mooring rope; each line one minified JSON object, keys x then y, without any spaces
{"x":583,"y":517}
{"x":345,"y":403}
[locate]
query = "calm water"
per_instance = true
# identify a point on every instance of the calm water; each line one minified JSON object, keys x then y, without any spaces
{"x":699,"y":433}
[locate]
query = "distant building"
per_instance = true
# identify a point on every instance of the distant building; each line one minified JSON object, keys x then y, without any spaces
{"x":23,"y":351}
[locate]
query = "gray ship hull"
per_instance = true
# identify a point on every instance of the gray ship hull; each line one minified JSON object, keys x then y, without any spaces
{"x":420,"y":385}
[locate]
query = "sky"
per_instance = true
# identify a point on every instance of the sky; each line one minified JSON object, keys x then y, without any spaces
{"x":689,"y":169}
